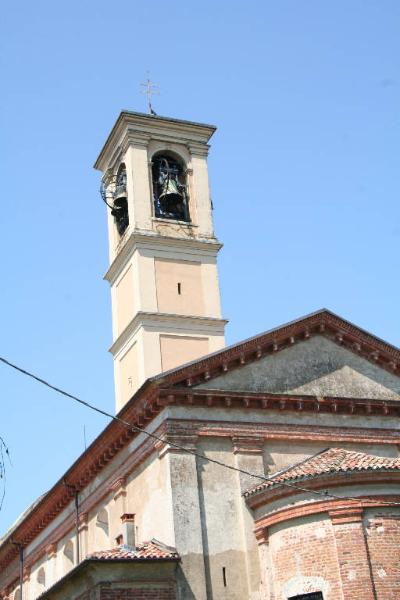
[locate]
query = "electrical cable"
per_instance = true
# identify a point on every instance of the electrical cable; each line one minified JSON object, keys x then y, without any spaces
{"x":138,"y":429}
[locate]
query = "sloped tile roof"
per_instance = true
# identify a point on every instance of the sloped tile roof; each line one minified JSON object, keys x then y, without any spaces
{"x":152,"y":550}
{"x":332,"y":460}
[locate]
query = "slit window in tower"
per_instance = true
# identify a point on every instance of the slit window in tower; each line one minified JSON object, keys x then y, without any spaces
{"x":169,"y":188}
{"x":179,"y":288}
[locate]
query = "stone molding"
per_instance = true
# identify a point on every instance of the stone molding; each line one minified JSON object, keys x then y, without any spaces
{"x":135,"y":138}
{"x":198,"y":149}
{"x":248,"y":444}
{"x":165,"y":129}
{"x":118,"y":487}
{"x":186,"y":324}
{"x":268,"y":430}
{"x":322,"y":482}
{"x":83,"y":522}
{"x":288,"y":402}
{"x":186,"y":441}
{"x":323,"y":323}
{"x":141,"y":240}
{"x":349,"y":514}
{"x":340,"y":511}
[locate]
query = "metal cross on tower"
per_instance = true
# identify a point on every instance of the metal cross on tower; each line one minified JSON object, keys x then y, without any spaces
{"x":151,"y":89}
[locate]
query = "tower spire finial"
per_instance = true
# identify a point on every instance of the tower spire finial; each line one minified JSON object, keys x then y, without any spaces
{"x":151,"y":89}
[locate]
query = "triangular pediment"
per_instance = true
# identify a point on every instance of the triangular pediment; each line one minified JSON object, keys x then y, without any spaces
{"x":319,"y":355}
{"x":316,"y":367}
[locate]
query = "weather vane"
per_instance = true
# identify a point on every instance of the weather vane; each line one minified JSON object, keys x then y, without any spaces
{"x":150,"y":89}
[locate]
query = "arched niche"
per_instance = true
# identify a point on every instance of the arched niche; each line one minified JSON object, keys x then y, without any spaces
{"x":68,"y":554}
{"x":41,"y":578}
{"x":103,"y":528}
{"x":102,"y":520}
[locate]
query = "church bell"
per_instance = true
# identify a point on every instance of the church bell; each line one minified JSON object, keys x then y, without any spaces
{"x":120,"y":203}
{"x":169,"y":191}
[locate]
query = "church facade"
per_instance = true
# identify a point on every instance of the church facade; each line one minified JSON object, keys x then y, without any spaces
{"x":268,"y":470}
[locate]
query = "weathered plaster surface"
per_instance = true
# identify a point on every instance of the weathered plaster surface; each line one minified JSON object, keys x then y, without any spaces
{"x":316,"y":366}
{"x":271,"y":417}
{"x":221,"y":505}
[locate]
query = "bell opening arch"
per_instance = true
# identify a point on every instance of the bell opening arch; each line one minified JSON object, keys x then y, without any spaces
{"x":169,"y":186}
{"x":120,"y":200}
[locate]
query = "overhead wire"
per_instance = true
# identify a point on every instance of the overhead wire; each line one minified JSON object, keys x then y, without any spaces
{"x":150,"y":434}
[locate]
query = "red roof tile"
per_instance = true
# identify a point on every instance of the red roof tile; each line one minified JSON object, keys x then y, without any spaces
{"x":148,"y":550}
{"x":332,"y":460}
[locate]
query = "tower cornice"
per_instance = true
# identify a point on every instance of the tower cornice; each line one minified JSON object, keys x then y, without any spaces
{"x":183,"y":324}
{"x":153,"y":241}
{"x":137,"y":124}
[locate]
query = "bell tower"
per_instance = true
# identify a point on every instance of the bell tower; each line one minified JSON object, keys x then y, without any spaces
{"x":162,"y":247}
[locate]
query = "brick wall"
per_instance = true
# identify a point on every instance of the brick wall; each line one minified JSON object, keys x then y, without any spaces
{"x":347,"y":555}
{"x":353,"y":561}
{"x":384,"y":549}
{"x":303,"y":558}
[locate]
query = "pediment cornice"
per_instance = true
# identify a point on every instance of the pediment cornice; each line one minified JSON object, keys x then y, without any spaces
{"x":323,"y":323}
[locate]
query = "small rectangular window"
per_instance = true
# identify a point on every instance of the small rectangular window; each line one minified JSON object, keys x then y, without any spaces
{"x":119,"y":540}
{"x":179,"y":288}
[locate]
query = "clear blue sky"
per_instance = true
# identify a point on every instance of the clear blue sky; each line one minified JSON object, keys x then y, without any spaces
{"x":304,"y":173}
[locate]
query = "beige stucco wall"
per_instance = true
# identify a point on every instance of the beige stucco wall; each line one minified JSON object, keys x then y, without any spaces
{"x":176,"y":350}
{"x":179,"y":287}
{"x":124,"y":299}
{"x":128,"y":375}
{"x":148,"y":496}
{"x":223,"y":536}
